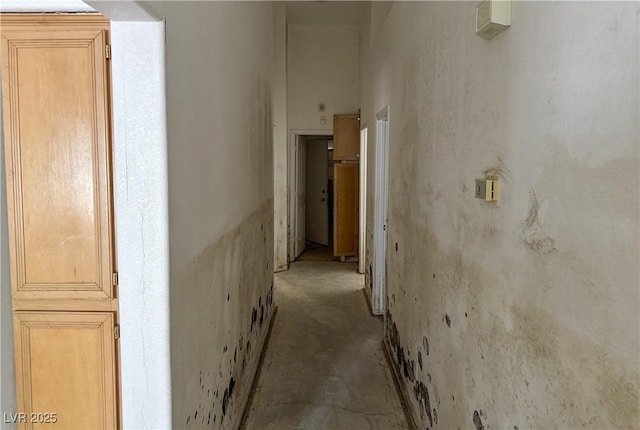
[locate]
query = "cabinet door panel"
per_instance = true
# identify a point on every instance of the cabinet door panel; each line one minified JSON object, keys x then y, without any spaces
{"x":346,"y":137}
{"x":57,"y":155}
{"x":66,"y":366}
{"x":345,"y":209}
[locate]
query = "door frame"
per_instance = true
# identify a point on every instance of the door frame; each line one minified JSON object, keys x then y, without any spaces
{"x":363,"y":197}
{"x":380,"y":215}
{"x":292,"y":186}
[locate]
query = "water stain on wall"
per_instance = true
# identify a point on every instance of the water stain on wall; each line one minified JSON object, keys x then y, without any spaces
{"x":531,"y":231}
{"x":215,"y":393}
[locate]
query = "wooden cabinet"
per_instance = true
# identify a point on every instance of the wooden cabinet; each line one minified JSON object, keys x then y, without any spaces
{"x":346,"y":200}
{"x":346,"y":137}
{"x":65,"y":368}
{"x":56,"y":107}
{"x":346,"y":152}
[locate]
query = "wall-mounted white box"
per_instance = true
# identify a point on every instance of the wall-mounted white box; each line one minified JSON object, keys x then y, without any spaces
{"x":492,"y":17}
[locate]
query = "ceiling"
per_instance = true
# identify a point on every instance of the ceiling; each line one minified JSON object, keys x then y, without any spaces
{"x":324,"y":12}
{"x":44,"y":6}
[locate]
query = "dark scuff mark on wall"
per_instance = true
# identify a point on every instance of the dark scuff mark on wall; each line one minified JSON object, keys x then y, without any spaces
{"x":254,"y":318}
{"x":215,"y":399}
{"x":261,"y":314}
{"x":407,"y":368}
{"x":477,"y":421}
{"x":447,"y":319}
{"x":425,"y":344}
{"x":498,"y":170}
{"x":422,"y":397}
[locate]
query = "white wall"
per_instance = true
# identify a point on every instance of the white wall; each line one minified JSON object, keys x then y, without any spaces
{"x":220,"y":164}
{"x":280,"y":136}
{"x":322,"y":67}
{"x":523,"y":313}
{"x":140,"y":180}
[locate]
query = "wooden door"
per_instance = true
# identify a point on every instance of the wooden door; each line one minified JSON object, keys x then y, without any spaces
{"x":345,"y":209}
{"x":55,"y":90}
{"x":346,"y":137}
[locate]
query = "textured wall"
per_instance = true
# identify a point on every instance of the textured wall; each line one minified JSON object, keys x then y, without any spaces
{"x":280,"y":136}
{"x":322,"y":67}
{"x":220,"y":164}
{"x":524,"y":313}
{"x":141,"y":204}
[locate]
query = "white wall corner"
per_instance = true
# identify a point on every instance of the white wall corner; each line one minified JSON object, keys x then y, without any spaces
{"x":141,"y":200}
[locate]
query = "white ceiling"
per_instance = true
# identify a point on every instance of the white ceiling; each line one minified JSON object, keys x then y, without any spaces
{"x":324,"y":12}
{"x":44,"y":6}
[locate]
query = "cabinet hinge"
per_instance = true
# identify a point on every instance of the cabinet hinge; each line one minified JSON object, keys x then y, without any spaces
{"x":114,"y":279}
{"x":116,"y":331}
{"x":107,"y":51}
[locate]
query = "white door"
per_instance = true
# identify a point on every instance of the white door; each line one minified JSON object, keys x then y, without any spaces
{"x":317,"y":210}
{"x":363,"y":199}
{"x":301,"y":160}
{"x":381,"y":221}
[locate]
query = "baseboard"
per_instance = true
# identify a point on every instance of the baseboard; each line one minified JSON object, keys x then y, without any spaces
{"x":281,"y":269}
{"x":256,"y":374}
{"x":401,"y":387}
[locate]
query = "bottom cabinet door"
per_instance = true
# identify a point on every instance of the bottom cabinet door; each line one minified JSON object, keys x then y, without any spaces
{"x":65,"y":370}
{"x":346,"y":187}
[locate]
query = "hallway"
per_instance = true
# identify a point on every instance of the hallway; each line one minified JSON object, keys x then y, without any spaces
{"x":324,"y":366}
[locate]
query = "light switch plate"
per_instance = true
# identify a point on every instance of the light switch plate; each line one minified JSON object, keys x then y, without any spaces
{"x":487,"y":189}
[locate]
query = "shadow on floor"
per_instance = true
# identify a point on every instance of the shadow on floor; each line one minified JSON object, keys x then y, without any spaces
{"x":315,"y":252}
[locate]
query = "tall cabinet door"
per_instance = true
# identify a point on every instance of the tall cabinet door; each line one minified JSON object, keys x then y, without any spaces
{"x":346,"y":153}
{"x":345,"y":209}
{"x":56,"y":139}
{"x":56,"y":107}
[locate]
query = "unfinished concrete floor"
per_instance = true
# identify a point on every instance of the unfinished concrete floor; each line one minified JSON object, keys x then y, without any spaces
{"x":324,"y":366}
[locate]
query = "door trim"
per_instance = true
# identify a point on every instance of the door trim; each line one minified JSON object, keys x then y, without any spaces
{"x":362,"y":215}
{"x":292,"y":183}
{"x":380,"y":216}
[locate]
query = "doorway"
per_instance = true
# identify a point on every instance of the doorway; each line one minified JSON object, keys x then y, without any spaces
{"x":380,"y":216}
{"x":310,"y":216}
{"x":314,"y":198}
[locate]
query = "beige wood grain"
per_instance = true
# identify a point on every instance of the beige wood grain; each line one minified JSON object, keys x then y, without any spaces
{"x":346,"y":137}
{"x":66,"y":365}
{"x":55,"y":88}
{"x":67,"y":305}
{"x":47,"y":21}
{"x":345,"y":209}
{"x":55,"y":97}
